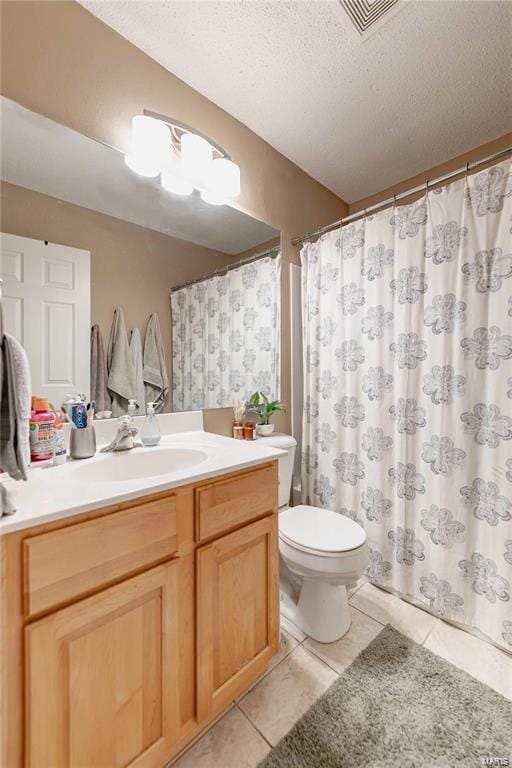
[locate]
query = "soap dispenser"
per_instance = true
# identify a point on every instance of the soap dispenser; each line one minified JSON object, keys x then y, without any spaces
{"x":150,"y":432}
{"x":132,"y":408}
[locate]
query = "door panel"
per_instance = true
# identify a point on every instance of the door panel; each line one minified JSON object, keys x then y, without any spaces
{"x":237,"y":614}
{"x":111,"y":664}
{"x":46,"y":295}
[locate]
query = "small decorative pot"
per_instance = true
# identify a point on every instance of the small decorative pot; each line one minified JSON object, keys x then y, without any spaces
{"x":264,"y":430}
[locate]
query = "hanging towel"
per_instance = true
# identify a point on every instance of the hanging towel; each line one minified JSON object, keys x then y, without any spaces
{"x":138,"y":368}
{"x":121,"y":378}
{"x":23,"y":401}
{"x":8,"y":459}
{"x":156,"y":379}
{"x":99,"y":372}
{"x":14,"y":409}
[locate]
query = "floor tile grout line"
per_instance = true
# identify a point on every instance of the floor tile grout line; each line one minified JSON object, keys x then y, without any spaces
{"x":301,"y":644}
{"x":311,"y":652}
{"x":268,"y":671}
{"x":254,"y":725}
{"x":357,"y":589}
{"x":315,"y":652}
{"x":429,"y":633}
{"x":368,"y":615}
{"x":199,"y":736}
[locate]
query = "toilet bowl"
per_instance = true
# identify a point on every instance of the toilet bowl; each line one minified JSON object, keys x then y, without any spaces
{"x":321,"y":552}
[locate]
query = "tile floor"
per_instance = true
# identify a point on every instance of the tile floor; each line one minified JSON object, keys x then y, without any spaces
{"x":304,"y":669}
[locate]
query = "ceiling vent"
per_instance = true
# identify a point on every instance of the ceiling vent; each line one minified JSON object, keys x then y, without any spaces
{"x":365,"y":14}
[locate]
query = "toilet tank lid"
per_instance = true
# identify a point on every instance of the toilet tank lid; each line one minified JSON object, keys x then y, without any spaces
{"x":279,"y":440}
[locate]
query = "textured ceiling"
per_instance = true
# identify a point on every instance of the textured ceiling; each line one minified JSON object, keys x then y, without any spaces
{"x":358,"y":113}
{"x":46,"y":157}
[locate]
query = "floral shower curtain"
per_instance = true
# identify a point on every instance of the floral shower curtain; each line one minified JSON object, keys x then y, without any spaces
{"x":226,"y":336}
{"x":408,"y":395}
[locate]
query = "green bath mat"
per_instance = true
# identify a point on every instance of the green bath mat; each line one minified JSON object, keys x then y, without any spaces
{"x":400,"y":706}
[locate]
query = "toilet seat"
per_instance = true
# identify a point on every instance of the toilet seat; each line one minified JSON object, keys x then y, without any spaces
{"x":320,"y":532}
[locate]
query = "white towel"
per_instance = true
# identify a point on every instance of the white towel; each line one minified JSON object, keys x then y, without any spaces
{"x":121,"y":377}
{"x":136,"y":352}
{"x":156,"y":379}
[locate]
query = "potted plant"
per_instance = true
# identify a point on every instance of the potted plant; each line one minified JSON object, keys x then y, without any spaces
{"x":265,"y":408}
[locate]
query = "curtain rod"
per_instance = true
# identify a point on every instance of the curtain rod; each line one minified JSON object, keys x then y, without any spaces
{"x":272,"y":252}
{"x":390,"y":200}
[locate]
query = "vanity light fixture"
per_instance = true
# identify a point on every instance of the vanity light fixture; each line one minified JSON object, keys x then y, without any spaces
{"x":196,"y":159}
{"x":151,"y":148}
{"x":176,"y":184}
{"x":184,"y":159}
{"x":209,"y":197}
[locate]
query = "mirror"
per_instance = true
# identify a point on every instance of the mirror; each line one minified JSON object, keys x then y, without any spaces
{"x":82,"y":235}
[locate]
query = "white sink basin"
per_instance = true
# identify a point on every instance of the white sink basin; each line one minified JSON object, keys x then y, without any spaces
{"x":139,"y":463}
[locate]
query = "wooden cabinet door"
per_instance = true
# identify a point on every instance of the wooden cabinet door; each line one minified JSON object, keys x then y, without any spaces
{"x":237,"y":612}
{"x":101,"y":678}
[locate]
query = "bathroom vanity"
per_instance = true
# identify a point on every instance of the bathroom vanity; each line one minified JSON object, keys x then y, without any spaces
{"x":126,"y":628}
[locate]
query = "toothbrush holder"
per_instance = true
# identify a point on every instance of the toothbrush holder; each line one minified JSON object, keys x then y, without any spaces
{"x":82,"y":443}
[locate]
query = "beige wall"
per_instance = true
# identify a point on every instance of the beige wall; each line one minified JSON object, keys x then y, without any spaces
{"x":60,"y":61}
{"x":131,"y":266}
{"x":267,"y":245}
{"x":431,"y":173}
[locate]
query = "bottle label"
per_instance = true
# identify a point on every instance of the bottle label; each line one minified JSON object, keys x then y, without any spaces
{"x":59,"y":444}
{"x":41,"y":438}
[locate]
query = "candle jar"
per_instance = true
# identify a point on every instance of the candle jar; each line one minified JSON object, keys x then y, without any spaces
{"x":249,"y":430}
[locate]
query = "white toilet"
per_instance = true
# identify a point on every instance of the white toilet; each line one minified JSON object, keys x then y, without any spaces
{"x":321,"y":552}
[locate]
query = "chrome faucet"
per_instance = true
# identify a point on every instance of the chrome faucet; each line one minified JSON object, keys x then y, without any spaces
{"x":124,"y":439}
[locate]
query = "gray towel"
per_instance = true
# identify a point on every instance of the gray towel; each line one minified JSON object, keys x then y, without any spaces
{"x":23,"y":402}
{"x":14,"y":408}
{"x":156,"y":379}
{"x":121,"y":378}
{"x":99,"y":372}
{"x":138,"y":367}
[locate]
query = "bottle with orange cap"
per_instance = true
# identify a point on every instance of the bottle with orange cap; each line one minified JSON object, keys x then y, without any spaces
{"x":42,"y":429}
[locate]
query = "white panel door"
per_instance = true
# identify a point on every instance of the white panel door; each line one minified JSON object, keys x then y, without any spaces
{"x":46,"y":306}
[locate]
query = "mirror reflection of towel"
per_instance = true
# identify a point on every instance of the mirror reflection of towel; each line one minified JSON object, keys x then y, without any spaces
{"x":136,"y":352}
{"x":156,"y":379}
{"x":99,"y":371}
{"x":121,"y":376}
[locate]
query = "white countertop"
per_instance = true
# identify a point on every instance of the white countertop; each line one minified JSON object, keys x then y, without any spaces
{"x":53,"y":493}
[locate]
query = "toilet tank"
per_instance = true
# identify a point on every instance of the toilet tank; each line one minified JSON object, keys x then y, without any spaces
{"x":285,"y":463}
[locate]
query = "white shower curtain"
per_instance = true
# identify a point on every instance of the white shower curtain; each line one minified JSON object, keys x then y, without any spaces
{"x":408,"y":395}
{"x":226,"y":336}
